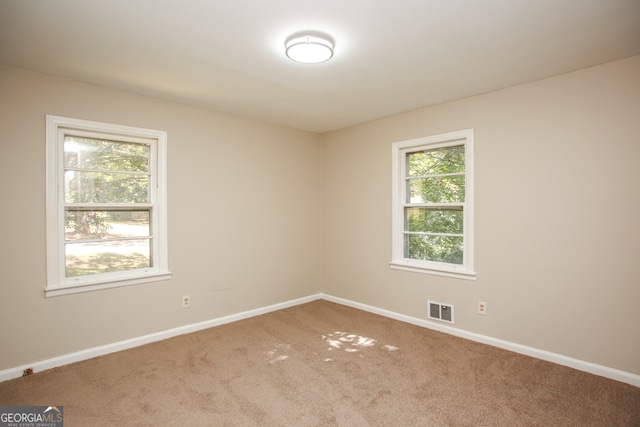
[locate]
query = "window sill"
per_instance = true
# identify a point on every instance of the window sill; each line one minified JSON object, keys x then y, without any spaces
{"x":106,"y":284}
{"x":466,"y":275}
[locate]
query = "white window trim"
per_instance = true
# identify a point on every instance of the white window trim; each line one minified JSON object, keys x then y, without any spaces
{"x":398,"y":154}
{"x":57,"y":283}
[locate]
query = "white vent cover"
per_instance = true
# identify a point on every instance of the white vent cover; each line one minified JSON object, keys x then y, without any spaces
{"x":440,"y":311}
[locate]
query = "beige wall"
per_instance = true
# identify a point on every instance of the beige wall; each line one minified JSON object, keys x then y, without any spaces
{"x":557,"y":182}
{"x":557,"y":235}
{"x":245,"y":219}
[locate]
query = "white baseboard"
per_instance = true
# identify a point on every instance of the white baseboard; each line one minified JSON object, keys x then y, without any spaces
{"x":146,"y":339}
{"x":581,"y":365}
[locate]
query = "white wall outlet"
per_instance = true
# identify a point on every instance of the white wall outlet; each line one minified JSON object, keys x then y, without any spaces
{"x":482,"y":308}
{"x":186,"y":301}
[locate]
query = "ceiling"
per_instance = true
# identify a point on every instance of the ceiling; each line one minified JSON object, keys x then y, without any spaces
{"x":390,"y":56}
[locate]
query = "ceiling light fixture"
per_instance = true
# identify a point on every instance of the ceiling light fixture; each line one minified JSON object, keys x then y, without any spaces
{"x":309,"y":49}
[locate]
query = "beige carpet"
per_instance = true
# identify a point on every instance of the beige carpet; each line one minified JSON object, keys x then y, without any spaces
{"x":323,"y":364}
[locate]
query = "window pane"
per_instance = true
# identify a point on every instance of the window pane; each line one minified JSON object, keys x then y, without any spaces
{"x":437,"y":161}
{"x":105,"y":187}
{"x":434,"y":248}
{"x":92,"y":224}
{"x":104,"y":257}
{"x":87,"y":153}
{"x":434,"y":220}
{"x":447,"y":189}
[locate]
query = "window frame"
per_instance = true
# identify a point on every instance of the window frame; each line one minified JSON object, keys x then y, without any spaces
{"x":400,"y":150}
{"x":57,"y":128}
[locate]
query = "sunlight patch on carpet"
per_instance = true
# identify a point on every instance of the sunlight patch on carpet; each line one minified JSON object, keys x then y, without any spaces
{"x":348,"y":342}
{"x":277,"y":354}
{"x":351,"y":343}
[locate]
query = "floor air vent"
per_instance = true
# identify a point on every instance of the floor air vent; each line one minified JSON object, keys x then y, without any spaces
{"x":440,"y":311}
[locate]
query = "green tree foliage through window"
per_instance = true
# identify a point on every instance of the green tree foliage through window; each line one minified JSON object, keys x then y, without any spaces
{"x":434,"y":215}
{"x":100,"y":178}
{"x":99,"y":171}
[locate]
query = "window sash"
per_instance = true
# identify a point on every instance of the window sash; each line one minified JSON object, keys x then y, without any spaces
{"x":151,"y":196}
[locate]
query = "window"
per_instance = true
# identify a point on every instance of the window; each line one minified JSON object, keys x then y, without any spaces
{"x":433,"y":205}
{"x":106,"y":206}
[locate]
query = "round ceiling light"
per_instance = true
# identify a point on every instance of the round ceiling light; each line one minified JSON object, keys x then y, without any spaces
{"x":309,"y":49}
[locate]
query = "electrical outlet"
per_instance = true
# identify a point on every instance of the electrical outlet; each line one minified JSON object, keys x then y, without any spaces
{"x":186,"y":301}
{"x":482,"y":308}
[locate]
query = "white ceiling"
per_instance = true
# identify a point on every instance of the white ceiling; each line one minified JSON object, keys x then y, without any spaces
{"x":390,"y":56}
